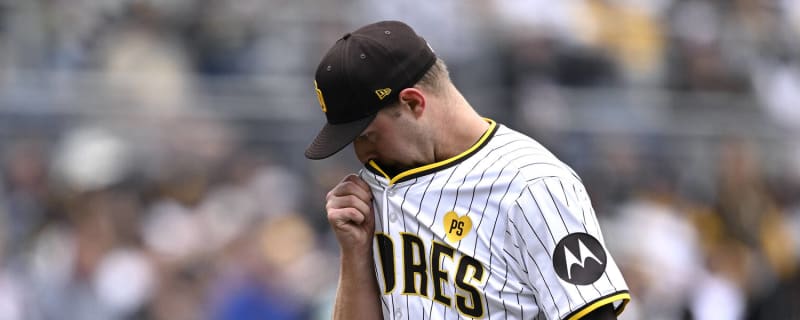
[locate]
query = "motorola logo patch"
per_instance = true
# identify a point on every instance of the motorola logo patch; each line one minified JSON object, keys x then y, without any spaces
{"x":579,"y":259}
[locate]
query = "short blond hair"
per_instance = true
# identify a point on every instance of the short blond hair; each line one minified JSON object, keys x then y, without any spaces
{"x":433,"y":80}
{"x":435,"y":77}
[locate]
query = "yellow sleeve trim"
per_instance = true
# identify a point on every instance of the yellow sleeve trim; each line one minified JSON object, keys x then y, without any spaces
{"x":597,"y":304}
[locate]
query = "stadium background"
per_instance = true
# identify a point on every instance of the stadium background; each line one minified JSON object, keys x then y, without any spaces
{"x":152,"y":160}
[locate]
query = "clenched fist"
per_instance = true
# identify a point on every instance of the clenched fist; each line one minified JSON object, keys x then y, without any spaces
{"x":349,"y":207}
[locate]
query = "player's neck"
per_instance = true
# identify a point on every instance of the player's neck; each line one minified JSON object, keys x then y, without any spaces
{"x":461,"y":128}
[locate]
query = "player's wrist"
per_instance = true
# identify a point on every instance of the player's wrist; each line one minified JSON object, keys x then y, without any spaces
{"x":357,"y":252}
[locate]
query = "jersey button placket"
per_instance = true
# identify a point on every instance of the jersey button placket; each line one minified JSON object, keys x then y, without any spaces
{"x":386,"y":213}
{"x":389,"y":214}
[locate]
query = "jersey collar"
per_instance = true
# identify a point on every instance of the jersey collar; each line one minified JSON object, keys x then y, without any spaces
{"x":440,"y":165}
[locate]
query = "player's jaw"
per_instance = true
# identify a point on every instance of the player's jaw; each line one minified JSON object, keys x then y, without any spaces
{"x":390,"y":158}
{"x":394,"y":140}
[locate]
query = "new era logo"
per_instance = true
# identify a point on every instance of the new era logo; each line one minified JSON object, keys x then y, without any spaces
{"x":382,"y":93}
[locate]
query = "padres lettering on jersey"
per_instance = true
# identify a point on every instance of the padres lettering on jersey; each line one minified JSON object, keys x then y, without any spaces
{"x":504,"y":230}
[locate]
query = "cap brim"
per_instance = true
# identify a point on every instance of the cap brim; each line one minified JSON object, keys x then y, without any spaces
{"x":334,"y":137}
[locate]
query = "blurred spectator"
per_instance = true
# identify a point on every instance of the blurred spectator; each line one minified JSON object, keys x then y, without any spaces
{"x":777,"y":85}
{"x":664,"y":263}
{"x":699,"y":56}
{"x":273,"y":277}
{"x":26,"y":192}
{"x":220,"y":36}
{"x":628,"y":31}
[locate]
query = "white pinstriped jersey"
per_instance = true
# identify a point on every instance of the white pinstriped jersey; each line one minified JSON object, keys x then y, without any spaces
{"x":502,"y":231}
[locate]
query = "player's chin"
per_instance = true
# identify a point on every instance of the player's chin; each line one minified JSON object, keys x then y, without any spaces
{"x":366,"y":161}
{"x":366,"y":158}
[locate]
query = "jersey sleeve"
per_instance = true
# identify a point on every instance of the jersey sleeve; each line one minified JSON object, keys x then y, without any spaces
{"x":556,"y":245}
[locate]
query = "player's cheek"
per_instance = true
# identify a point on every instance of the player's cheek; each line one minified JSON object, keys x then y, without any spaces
{"x":362,"y":151}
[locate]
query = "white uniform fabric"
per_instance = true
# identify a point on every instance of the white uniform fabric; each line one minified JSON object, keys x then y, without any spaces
{"x":502,"y":231}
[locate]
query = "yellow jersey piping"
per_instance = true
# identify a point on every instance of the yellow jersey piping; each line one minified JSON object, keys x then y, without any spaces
{"x":440,"y":164}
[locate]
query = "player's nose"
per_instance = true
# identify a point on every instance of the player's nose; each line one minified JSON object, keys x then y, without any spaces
{"x":364,"y":150}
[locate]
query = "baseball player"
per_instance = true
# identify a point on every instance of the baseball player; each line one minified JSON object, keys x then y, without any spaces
{"x":454,"y":216}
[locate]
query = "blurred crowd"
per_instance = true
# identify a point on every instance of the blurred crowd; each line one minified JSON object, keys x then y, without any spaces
{"x":151,"y":151}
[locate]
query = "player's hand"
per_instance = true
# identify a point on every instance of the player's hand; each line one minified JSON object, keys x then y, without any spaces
{"x":349,"y":207}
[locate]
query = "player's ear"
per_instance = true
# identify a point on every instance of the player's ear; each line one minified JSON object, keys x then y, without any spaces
{"x":414,"y":99}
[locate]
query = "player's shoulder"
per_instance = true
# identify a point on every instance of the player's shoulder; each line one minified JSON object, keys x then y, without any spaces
{"x":529,"y":159}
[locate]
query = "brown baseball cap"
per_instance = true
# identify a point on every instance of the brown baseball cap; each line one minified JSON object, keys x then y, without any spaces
{"x":362,"y":73}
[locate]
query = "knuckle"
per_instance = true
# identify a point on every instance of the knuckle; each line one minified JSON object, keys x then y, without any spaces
{"x":347,"y":185}
{"x":355,"y":201}
{"x":335,"y":215}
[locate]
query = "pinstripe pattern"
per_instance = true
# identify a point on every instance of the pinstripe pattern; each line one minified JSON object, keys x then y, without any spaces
{"x":521,"y":201}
